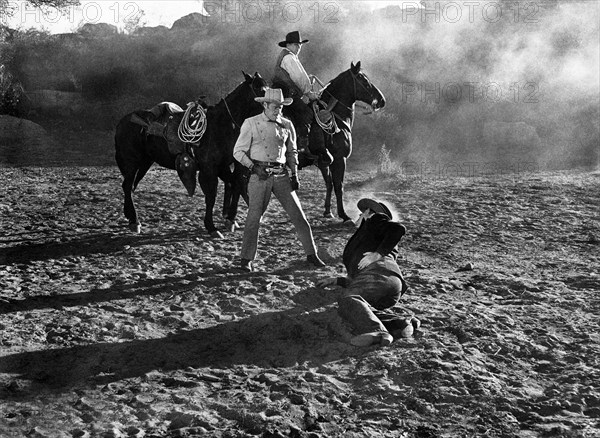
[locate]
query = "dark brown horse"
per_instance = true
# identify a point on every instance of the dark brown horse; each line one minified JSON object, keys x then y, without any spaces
{"x":211,"y":157}
{"x":340,"y":95}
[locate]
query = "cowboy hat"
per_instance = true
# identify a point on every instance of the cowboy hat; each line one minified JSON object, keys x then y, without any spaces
{"x":377,"y":207}
{"x":292,"y":38}
{"x":274,"y":95}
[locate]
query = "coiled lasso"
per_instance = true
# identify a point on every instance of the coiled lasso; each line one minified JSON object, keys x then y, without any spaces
{"x":188,"y":133}
{"x":328,"y":126}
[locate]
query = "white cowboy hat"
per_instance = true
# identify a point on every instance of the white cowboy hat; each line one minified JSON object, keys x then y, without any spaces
{"x":274,"y":95}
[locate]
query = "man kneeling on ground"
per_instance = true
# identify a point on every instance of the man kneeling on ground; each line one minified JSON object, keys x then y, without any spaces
{"x":374,"y":282}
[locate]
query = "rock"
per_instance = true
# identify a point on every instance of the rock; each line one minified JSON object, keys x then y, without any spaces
{"x":297,"y":399}
{"x":135,"y":432}
{"x":98,"y":30}
{"x":113,"y":433}
{"x":21,"y":130}
{"x":151,"y":31}
{"x":466,"y":267}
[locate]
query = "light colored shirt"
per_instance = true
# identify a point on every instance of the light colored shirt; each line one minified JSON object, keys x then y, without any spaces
{"x":292,"y":65}
{"x":261,"y":139}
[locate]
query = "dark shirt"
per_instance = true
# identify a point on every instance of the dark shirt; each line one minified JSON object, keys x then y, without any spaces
{"x":376,"y":234}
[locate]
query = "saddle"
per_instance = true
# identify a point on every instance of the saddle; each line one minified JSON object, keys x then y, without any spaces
{"x":155,"y":120}
{"x":158,"y":121}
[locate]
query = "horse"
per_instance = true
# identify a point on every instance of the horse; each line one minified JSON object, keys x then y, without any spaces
{"x":210,"y":158}
{"x":339,"y":97}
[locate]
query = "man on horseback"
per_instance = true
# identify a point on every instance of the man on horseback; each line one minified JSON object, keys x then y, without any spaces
{"x":290,"y":76}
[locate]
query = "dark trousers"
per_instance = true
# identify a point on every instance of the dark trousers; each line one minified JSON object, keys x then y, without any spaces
{"x":301,"y":116}
{"x":365,"y":300}
{"x":298,"y":112}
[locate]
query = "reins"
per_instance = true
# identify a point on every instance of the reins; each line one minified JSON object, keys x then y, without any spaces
{"x":330,"y":127}
{"x":224,"y":99}
{"x":229,"y":112}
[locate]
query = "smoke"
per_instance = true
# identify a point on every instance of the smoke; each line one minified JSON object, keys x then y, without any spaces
{"x":512,"y":84}
{"x":465,"y":82}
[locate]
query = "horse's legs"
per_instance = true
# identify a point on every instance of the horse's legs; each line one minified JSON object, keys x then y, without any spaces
{"x":338,"y":169}
{"x":329,"y":187}
{"x":129,"y":206}
{"x":230,"y":198}
{"x":209,"y":183}
{"x":227,"y":196}
{"x":143,"y":169}
{"x":239,"y":186}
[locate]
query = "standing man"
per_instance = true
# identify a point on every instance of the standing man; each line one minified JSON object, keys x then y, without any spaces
{"x":374,"y":282}
{"x":290,"y":76}
{"x":267,"y":142}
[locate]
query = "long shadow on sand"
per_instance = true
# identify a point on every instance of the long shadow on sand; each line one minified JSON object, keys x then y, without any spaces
{"x":98,"y":243}
{"x":275,"y":339}
{"x":171,"y":285}
{"x":148,"y":287}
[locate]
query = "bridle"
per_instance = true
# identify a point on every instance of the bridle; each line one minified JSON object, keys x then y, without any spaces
{"x":354,"y":82}
{"x":224,"y":99}
{"x":331,"y":126}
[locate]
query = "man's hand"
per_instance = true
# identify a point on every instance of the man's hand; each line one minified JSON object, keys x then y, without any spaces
{"x":313,"y":95}
{"x":368,"y":258}
{"x":260,"y":171}
{"x":327,"y":282}
{"x":295,"y":183}
{"x":305,"y":99}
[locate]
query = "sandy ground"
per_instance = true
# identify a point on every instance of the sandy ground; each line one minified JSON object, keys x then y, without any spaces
{"x":108,"y":334}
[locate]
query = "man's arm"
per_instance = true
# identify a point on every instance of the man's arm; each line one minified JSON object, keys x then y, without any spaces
{"x":392,"y":232}
{"x":291,"y":64}
{"x":241,"y":150}
{"x":291,"y":152}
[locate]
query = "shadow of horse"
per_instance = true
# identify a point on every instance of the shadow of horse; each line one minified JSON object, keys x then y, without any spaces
{"x":339,"y":97}
{"x":211,"y":157}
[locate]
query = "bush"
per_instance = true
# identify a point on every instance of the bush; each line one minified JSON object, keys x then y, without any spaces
{"x":385,"y":166}
{"x":11,"y":93}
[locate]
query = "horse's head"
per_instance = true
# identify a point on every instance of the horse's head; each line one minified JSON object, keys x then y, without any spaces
{"x":364,"y":90}
{"x":252,"y":87}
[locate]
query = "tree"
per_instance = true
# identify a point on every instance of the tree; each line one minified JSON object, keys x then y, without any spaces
{"x":7,"y":6}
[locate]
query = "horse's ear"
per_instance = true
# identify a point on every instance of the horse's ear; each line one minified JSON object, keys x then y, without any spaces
{"x":247,"y":76}
{"x":355,"y":68}
{"x":257,"y":74}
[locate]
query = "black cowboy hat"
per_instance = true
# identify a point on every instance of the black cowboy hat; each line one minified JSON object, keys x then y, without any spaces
{"x":377,"y":207}
{"x":291,"y":38}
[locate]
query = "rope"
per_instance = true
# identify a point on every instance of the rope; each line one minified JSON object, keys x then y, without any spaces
{"x":192,"y":132}
{"x":329,"y":127}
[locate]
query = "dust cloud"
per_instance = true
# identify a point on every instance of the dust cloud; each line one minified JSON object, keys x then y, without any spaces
{"x":467,"y":84}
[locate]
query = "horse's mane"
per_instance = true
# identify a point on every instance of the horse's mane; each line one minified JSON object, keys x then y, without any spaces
{"x":335,"y":80}
{"x":223,"y":109}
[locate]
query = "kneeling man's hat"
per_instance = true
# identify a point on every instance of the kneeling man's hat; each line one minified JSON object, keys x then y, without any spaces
{"x":292,"y":38}
{"x":377,"y":207}
{"x":274,"y":95}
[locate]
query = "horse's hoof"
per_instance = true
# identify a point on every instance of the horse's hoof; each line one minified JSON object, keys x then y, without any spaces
{"x":217,"y":234}
{"x":328,"y":215}
{"x":231,"y":225}
{"x":136,"y":228}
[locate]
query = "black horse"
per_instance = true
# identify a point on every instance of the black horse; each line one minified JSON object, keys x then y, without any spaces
{"x":339,"y":96}
{"x":212,"y":156}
